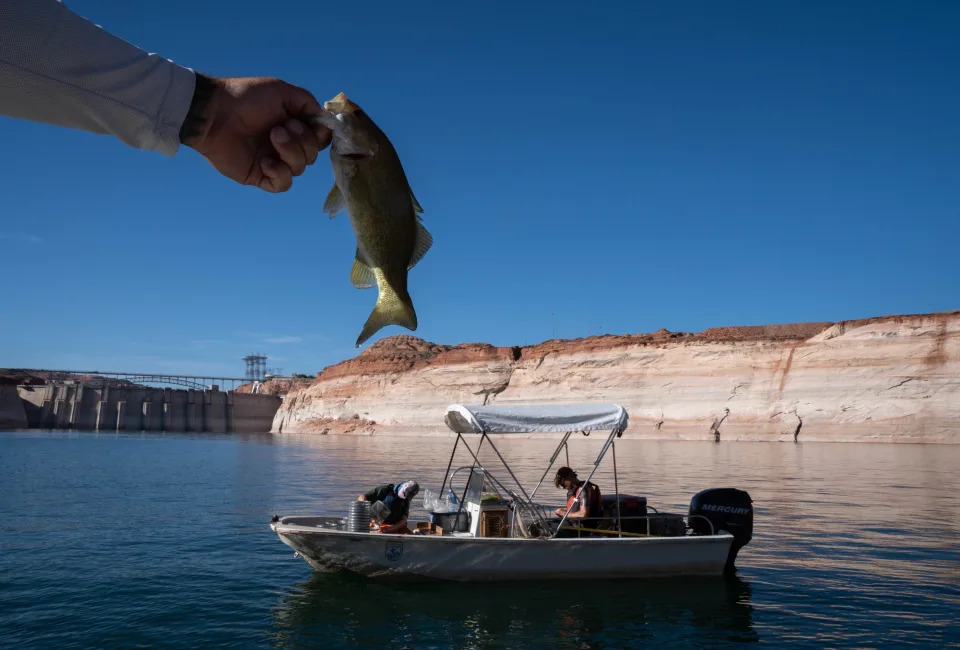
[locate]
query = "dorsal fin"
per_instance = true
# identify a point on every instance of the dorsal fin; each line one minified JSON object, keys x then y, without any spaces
{"x":421,"y":246}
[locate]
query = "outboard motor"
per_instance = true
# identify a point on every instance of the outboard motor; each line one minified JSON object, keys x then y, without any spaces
{"x":727,"y":509}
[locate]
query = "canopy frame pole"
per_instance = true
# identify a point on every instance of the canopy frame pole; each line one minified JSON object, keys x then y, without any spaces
{"x":496,"y":481}
{"x":493,"y":479}
{"x":529,"y":501}
{"x":616,"y":487}
{"x":596,"y":464}
{"x":553,"y":459}
{"x":446,"y":474}
{"x":479,"y":465}
{"x":509,"y":471}
{"x":616,"y":433}
{"x":476,"y":463}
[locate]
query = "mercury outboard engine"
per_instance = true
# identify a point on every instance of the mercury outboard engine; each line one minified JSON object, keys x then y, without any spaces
{"x":727,"y":509}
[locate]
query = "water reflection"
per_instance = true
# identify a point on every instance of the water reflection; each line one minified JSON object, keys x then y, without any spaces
{"x":854,"y":546}
{"x":850,"y":541}
{"x":345,"y":610}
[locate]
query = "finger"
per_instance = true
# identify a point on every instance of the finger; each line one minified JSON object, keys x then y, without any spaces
{"x":289,"y":150}
{"x":277,"y":177}
{"x":302,"y":104}
{"x":306,"y":138}
{"x":298,"y":101}
{"x":324,"y":135}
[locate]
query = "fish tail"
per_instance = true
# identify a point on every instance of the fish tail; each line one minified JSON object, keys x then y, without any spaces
{"x":394,"y":307}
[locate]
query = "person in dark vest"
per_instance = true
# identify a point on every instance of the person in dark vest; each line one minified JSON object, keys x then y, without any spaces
{"x":583,"y":497}
{"x":391,"y":505}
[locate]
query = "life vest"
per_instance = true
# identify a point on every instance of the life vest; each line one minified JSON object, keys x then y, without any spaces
{"x":594,"y":507}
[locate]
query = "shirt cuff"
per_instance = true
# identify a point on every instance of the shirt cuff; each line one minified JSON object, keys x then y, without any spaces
{"x":173,"y":110}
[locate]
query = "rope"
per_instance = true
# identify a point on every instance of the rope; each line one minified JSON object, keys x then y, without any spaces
{"x":606,"y":532}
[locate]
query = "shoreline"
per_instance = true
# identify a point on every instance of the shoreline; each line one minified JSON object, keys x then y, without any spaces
{"x":396,"y":435}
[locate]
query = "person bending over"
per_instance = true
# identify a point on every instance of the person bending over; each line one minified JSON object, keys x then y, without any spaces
{"x":391,"y":506}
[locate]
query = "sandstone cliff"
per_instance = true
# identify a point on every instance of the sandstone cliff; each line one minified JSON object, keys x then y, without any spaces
{"x":891,"y":379}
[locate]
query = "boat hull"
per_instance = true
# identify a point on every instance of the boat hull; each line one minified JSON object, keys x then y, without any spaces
{"x":499,"y":559}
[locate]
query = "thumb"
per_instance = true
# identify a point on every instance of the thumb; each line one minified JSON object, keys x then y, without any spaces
{"x":297,"y":101}
{"x":300,"y":103}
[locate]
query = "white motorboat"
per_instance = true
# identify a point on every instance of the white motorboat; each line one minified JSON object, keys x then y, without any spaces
{"x":498,"y":531}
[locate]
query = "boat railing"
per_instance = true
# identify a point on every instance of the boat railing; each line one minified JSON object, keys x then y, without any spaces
{"x":490,"y":481}
{"x":713,"y":531}
{"x":601,"y":526}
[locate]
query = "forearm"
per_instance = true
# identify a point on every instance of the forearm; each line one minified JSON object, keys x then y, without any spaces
{"x":59,"y":68}
{"x":392,"y":528}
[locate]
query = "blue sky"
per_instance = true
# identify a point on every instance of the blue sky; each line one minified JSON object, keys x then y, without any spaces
{"x":609,"y":169}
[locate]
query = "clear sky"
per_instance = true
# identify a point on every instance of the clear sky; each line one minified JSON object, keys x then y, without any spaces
{"x":612,"y":168}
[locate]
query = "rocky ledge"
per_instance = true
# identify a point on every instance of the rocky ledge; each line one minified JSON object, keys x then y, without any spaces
{"x":885,"y":379}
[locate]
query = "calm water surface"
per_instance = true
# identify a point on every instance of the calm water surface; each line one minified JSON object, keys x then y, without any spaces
{"x":162,"y":540}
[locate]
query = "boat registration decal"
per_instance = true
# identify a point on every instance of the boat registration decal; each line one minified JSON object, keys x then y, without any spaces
{"x":393,"y":551}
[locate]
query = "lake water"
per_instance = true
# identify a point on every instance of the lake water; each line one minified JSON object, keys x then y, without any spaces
{"x":125,"y":540}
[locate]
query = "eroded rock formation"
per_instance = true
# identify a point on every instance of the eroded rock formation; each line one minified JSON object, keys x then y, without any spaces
{"x":894,"y":378}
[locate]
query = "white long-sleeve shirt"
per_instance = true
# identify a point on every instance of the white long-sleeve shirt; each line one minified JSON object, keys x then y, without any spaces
{"x":59,"y":68}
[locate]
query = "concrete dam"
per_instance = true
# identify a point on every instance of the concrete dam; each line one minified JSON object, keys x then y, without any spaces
{"x":69,"y":405}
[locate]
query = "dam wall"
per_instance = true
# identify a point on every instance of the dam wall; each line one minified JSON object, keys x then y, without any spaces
{"x":110,"y":408}
{"x":12,"y":413}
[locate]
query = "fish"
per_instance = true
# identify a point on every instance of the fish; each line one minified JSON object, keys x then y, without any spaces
{"x":371,"y":186}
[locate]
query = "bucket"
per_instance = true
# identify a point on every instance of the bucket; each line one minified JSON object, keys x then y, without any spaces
{"x":358,"y":520}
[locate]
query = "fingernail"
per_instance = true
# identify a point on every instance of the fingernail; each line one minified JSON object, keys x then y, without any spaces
{"x":280,"y":135}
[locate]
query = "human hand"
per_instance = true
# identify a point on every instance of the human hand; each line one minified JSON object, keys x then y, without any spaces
{"x":255,"y":130}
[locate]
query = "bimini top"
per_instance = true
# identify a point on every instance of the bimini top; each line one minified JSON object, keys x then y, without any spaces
{"x":552,"y":418}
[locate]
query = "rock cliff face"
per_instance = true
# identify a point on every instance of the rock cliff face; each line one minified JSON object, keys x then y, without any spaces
{"x":890,"y":379}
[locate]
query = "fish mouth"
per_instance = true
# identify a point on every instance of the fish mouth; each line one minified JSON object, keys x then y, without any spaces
{"x":355,"y":156}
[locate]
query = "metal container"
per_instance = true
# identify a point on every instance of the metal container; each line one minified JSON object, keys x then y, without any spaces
{"x":358,"y":520}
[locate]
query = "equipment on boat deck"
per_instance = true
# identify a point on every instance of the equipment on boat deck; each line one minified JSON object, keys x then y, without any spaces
{"x":358,"y":521}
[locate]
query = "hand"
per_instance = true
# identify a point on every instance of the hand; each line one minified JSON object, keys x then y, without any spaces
{"x":255,"y":130}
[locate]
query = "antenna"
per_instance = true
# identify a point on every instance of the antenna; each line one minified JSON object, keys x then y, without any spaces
{"x":256,"y":366}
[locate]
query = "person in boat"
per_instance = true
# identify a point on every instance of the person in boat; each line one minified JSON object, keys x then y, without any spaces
{"x":391,"y":506}
{"x":583,"y":497}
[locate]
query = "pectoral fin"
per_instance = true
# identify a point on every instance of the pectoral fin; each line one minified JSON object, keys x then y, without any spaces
{"x":334,"y":203}
{"x":421,"y":246}
{"x":361,"y":275}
